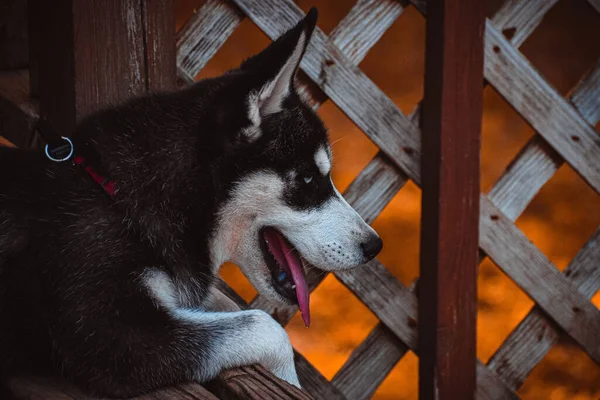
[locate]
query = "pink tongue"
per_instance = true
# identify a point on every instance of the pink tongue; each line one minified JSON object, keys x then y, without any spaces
{"x":287,"y":257}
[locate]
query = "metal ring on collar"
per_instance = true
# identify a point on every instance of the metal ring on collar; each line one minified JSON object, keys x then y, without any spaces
{"x":65,"y":158}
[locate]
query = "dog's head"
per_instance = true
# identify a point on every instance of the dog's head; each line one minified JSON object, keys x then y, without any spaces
{"x":282,"y":211}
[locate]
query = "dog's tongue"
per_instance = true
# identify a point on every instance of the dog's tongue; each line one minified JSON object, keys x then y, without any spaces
{"x":289,"y":260}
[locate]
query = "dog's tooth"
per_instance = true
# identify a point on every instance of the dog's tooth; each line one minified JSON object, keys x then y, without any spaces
{"x":293,"y":286}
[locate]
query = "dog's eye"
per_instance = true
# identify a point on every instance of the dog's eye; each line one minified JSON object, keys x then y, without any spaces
{"x":308,"y":179}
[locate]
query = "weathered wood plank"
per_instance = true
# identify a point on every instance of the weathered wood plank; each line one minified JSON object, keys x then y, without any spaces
{"x":542,"y":106}
{"x":90,"y":54}
{"x":536,"y":334}
{"x":14,"y":51}
{"x":371,"y":362}
{"x":158,"y":18}
{"x":37,"y":388}
{"x":451,"y":141}
{"x":314,"y":383}
{"x":364,"y":25}
{"x":254,"y":383}
{"x":204,"y":34}
{"x":40,"y":388}
{"x":538,"y":162}
{"x":586,"y":98}
{"x":184,"y":391}
{"x":531,"y":340}
{"x":354,"y":36}
{"x":517,"y":19}
{"x":535,"y":164}
{"x":539,"y":278}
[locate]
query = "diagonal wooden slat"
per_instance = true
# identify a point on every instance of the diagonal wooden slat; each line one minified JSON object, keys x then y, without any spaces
{"x":396,"y":307}
{"x":587,"y":97}
{"x":369,"y":364}
{"x":371,"y":361}
{"x":531,"y":340}
{"x":538,"y":162}
{"x":545,"y":109}
{"x":595,"y":4}
{"x":523,"y":349}
{"x":364,"y":25}
{"x":539,"y":278}
{"x":517,"y":19}
{"x":204,"y":34}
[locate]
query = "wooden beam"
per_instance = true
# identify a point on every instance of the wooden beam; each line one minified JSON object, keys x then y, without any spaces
{"x":158,"y":20}
{"x":254,"y":383}
{"x":450,"y":203}
{"x":89,"y":54}
{"x":13,"y":34}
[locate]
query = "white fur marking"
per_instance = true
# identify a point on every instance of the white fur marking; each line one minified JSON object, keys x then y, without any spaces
{"x":241,"y":337}
{"x":323,"y":161}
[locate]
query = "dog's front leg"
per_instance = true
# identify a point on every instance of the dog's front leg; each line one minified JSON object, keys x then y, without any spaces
{"x":234,"y":339}
{"x":244,"y":338}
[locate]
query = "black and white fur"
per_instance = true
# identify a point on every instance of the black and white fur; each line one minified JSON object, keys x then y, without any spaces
{"x":114,"y":294}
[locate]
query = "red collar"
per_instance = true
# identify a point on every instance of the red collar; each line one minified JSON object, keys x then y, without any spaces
{"x":107,"y":184}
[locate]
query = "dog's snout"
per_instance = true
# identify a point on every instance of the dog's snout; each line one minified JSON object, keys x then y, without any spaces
{"x":371,"y":247}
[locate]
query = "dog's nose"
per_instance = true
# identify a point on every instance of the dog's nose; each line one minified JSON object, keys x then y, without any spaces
{"x":371,"y":247}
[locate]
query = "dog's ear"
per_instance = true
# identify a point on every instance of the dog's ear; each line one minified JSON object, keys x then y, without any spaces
{"x":273,"y":71}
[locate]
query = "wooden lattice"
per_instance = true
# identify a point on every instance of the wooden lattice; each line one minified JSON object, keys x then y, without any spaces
{"x":565,"y":133}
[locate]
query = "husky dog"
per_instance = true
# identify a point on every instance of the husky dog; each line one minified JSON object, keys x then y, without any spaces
{"x":113,"y":293}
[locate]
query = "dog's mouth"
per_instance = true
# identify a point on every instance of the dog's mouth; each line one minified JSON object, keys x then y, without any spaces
{"x":287,"y":270}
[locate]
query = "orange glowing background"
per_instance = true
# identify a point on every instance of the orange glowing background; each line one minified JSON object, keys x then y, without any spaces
{"x":559,"y":220}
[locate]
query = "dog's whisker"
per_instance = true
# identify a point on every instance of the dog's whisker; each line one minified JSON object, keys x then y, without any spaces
{"x":337,"y":140}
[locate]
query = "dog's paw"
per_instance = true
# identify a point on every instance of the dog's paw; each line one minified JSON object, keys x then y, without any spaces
{"x":289,"y":375}
{"x":279,"y":353}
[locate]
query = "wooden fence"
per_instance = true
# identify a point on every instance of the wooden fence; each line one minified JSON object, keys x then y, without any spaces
{"x":564,"y":133}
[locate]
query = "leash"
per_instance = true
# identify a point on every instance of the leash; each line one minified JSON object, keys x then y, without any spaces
{"x":59,"y":149}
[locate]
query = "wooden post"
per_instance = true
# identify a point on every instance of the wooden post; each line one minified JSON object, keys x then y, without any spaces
{"x":450,"y":203}
{"x":92,"y":53}
{"x":13,"y":34}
